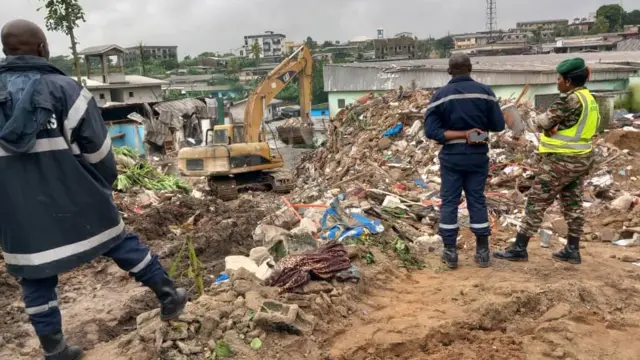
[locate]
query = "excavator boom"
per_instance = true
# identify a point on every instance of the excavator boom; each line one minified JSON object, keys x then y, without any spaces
{"x":299,"y":63}
{"x":239,"y":157}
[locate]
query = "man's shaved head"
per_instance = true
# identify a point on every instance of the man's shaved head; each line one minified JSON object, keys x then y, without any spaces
{"x":23,"y":37}
{"x":459,"y":65}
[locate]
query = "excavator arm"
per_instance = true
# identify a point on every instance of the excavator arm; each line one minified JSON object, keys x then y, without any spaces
{"x":299,"y":63}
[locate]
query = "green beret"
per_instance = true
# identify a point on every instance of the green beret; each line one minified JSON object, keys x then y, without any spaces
{"x":571,"y":65}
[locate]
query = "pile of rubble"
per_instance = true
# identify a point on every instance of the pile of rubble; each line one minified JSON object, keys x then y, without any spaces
{"x":379,"y":160}
{"x":288,"y":284}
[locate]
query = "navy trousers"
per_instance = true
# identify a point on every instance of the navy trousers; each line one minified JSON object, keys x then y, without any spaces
{"x":466,"y":172}
{"x":40,"y":298}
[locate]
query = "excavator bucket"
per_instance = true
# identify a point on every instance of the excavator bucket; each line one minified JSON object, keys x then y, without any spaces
{"x":295,"y":132}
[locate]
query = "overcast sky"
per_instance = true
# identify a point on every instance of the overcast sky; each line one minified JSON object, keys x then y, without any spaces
{"x":219,"y":25}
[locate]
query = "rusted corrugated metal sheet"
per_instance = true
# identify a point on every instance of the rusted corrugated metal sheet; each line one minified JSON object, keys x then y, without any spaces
{"x":182,"y":107}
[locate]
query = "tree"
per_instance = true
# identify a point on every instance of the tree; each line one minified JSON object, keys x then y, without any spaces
{"x":444,"y":45}
{"x":327,"y":44}
{"x":560,"y":31}
{"x":537,"y":36}
{"x":632,"y":18}
{"x":574,"y":32}
{"x":601,"y":26}
{"x":63,"y":62}
{"x":311,"y":44}
{"x":614,"y":15}
{"x":318,"y":95}
{"x":144,"y":61}
{"x":233,"y":66}
{"x":169,"y":64}
{"x":207,"y":54}
{"x":256,"y":50}
{"x":424,"y":48}
{"x":63,"y":16}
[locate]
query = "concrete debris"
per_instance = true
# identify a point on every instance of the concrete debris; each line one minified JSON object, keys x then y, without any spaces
{"x":376,"y":153}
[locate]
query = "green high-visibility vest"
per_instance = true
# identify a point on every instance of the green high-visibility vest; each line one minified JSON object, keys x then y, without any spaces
{"x":577,"y":139}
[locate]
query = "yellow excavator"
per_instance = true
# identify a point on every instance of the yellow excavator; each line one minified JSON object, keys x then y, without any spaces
{"x":239,"y":155}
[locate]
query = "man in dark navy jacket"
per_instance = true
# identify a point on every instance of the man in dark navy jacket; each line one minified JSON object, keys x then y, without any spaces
{"x":458,"y":116}
{"x":56,"y":172}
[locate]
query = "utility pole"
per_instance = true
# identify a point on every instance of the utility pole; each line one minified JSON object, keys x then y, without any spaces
{"x":491,"y":18}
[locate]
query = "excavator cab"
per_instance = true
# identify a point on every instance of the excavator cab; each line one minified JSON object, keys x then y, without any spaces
{"x":237,"y":156}
{"x":229,"y":134}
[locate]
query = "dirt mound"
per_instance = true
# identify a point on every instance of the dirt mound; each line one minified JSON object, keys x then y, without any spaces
{"x":625,"y":140}
{"x":512,"y":311}
{"x":154,"y":223}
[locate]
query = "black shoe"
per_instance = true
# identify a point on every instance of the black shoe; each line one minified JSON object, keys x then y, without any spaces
{"x":570,"y":253}
{"x":172,"y":300}
{"x":450,"y":256}
{"x":515,"y":252}
{"x":482,"y":257}
{"x":56,"y":348}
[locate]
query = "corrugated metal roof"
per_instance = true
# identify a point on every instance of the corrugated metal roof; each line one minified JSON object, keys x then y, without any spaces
{"x":182,"y":106}
{"x":535,"y":63}
{"x":101,"y":49}
{"x":629,"y":45}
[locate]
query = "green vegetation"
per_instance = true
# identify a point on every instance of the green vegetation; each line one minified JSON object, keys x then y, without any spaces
{"x":134,"y":172}
{"x":63,"y":16}
{"x":631,"y":101}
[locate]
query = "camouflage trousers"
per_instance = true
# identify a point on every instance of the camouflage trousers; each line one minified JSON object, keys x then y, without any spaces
{"x":557,"y":175}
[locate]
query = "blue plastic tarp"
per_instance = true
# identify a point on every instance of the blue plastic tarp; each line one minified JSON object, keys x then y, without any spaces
{"x":341,"y":230}
{"x":395,"y":130}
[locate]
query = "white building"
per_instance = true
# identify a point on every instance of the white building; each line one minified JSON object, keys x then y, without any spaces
{"x":108,"y":83}
{"x":271,"y":44}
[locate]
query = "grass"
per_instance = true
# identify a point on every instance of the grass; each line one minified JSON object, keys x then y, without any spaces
{"x":194,"y":270}
{"x":386,"y":244}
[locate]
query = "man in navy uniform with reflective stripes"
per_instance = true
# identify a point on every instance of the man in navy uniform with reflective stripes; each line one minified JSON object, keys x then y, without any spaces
{"x":56,"y":172}
{"x":459,"y":116}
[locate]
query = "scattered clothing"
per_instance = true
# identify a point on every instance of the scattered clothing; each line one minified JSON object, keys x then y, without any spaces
{"x":322,"y":263}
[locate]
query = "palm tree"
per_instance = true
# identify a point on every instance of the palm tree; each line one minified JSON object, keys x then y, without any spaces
{"x":256,"y":50}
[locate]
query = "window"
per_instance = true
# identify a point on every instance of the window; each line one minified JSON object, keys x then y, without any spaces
{"x":101,"y":96}
{"x":341,"y":104}
{"x":130,"y":94}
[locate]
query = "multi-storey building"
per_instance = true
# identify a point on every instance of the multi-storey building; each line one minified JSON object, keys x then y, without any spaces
{"x":132,"y":55}
{"x":271,"y":44}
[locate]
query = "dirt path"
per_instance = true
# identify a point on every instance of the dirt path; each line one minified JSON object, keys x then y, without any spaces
{"x":536,"y":310}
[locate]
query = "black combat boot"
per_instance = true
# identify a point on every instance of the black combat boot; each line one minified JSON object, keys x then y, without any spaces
{"x":570,"y":253}
{"x":56,"y":348}
{"x":482,"y":256}
{"x":450,"y":256}
{"x":172,"y":300}
{"x":515,"y":252}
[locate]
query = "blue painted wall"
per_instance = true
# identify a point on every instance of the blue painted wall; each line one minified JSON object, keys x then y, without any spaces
{"x":319,"y":112}
{"x":133,"y":135}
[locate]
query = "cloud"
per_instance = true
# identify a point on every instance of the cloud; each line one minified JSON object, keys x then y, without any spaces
{"x":217,"y":25}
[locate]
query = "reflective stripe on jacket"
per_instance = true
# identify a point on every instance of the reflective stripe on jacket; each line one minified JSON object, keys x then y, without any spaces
{"x":577,"y":139}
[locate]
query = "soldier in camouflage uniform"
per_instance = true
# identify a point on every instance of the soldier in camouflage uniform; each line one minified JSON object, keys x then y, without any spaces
{"x":566,"y":158}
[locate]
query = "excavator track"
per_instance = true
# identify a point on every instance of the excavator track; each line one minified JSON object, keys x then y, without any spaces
{"x":227,"y":188}
{"x":223,"y":189}
{"x":281,"y":182}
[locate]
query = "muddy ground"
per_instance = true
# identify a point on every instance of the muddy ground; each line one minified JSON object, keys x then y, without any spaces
{"x":536,"y":310}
